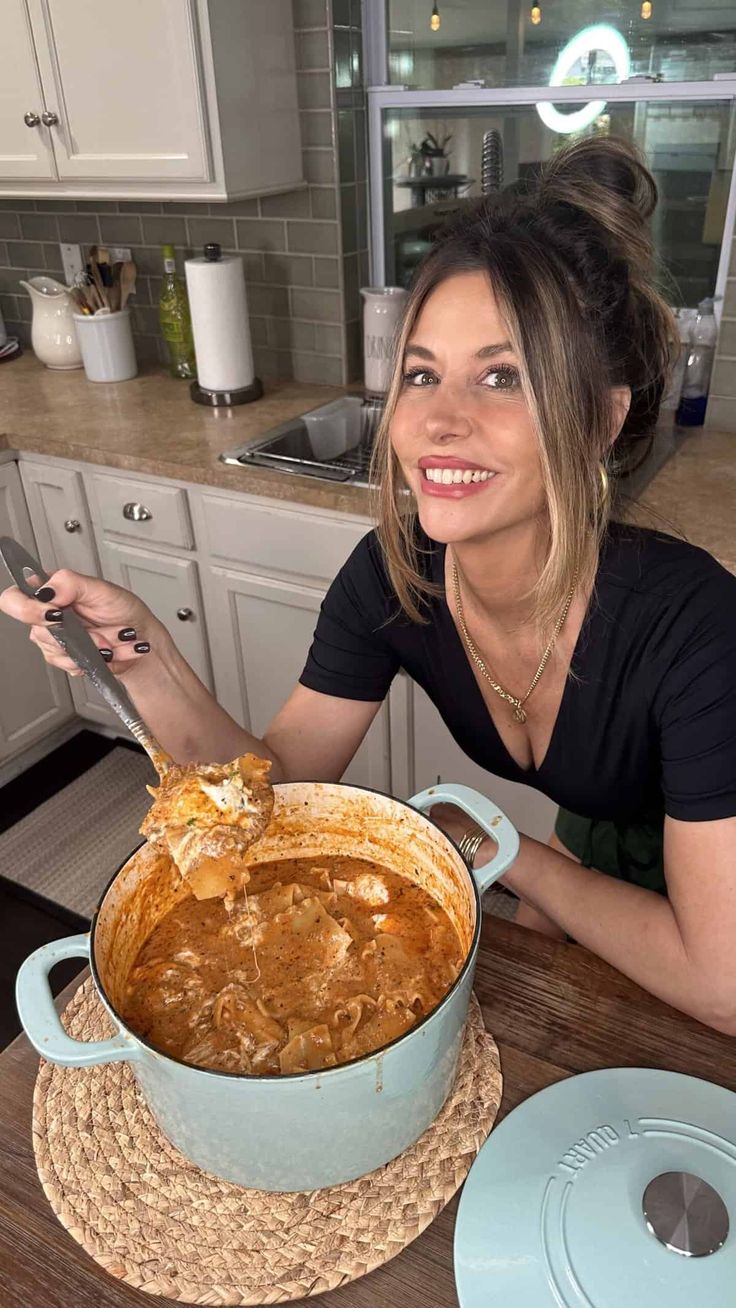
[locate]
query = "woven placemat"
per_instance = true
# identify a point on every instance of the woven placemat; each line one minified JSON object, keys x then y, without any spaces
{"x":153,"y":1219}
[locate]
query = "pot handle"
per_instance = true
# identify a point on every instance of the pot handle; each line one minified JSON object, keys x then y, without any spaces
{"x":487,"y":815}
{"x":41,"y":1021}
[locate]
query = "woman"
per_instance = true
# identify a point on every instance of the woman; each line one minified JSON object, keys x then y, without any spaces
{"x":592,"y":661}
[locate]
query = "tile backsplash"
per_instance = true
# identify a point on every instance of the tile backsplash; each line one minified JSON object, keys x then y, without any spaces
{"x":721,"y":412}
{"x":305,"y":251}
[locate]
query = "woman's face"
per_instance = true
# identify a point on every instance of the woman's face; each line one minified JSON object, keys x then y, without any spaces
{"x":461,"y":429}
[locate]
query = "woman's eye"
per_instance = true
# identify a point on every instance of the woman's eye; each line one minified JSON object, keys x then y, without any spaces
{"x":502,"y":379}
{"x":415,"y":377}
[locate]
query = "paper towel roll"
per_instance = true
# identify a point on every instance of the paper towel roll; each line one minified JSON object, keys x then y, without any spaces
{"x":219,"y":310}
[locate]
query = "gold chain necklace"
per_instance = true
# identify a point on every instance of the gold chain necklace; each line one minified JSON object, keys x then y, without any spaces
{"x":516,"y":703}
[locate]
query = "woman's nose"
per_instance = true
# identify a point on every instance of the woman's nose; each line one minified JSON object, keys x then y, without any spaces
{"x":445,"y":420}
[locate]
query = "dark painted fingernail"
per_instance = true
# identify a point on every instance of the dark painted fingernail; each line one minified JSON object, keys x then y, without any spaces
{"x":45,"y":594}
{"x":54,"y":615}
{"x":142,"y":647}
{"x":127,"y":633}
{"x":106,"y":654}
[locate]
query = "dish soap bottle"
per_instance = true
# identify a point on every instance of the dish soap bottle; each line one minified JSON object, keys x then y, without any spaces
{"x":694,"y":398}
{"x":176,"y":324}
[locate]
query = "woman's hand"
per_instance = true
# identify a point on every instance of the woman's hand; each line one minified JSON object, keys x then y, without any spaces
{"x":121,"y":626}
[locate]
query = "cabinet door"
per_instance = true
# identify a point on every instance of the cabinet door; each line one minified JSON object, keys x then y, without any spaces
{"x":61,"y":522}
{"x":170,"y":588}
{"x":433,"y":754}
{"x":25,"y":152}
{"x":264,"y":629}
{"x":34,"y":699}
{"x":125,"y":83}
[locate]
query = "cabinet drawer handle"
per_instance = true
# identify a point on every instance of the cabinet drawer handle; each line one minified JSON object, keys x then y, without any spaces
{"x":49,"y":118}
{"x":31,"y":119}
{"x":136,"y":512}
{"x":184,"y":614}
{"x":72,"y":524}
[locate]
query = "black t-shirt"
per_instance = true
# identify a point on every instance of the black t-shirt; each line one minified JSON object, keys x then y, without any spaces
{"x":648,"y":720}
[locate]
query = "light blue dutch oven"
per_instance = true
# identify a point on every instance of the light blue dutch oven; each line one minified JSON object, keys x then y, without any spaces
{"x":305,"y":1130}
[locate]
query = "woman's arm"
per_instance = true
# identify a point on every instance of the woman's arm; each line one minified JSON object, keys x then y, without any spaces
{"x":681,"y":948}
{"x":313,"y":737}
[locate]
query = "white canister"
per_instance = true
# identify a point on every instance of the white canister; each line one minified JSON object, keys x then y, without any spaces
{"x":383,"y":307}
{"x":106,"y":342}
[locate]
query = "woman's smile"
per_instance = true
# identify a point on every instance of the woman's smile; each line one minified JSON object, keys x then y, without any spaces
{"x":454,"y":477}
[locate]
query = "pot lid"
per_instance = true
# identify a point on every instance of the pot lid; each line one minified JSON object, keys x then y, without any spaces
{"x":615,"y":1187}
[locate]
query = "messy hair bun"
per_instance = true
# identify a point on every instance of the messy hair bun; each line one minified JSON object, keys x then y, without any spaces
{"x":568,"y":254}
{"x":594,"y":201}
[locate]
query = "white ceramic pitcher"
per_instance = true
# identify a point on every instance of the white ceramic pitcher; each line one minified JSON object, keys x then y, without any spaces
{"x":53,"y":334}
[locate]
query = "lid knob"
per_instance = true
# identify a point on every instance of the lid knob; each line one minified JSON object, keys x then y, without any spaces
{"x":686,"y":1214}
{"x":212,"y":251}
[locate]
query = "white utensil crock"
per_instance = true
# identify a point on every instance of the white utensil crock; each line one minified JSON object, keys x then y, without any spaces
{"x":106,"y":340}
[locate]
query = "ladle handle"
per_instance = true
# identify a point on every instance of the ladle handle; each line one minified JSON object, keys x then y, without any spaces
{"x":78,"y":645}
{"x":41,"y":1021}
{"x":488,"y":816}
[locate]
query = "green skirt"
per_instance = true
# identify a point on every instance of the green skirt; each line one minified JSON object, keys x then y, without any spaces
{"x":631,"y":851}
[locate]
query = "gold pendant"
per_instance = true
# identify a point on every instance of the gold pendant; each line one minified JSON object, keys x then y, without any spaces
{"x":519,"y":714}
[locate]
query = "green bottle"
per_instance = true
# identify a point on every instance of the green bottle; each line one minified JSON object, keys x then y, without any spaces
{"x":176,"y":324}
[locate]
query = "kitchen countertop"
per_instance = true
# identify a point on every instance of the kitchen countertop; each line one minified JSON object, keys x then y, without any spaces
{"x":554,"y":1009}
{"x":150,"y":425}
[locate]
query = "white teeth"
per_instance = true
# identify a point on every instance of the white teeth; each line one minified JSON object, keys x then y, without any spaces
{"x":456,"y":476}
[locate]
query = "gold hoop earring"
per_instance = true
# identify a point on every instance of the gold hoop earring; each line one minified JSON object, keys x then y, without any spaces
{"x":605,"y":486}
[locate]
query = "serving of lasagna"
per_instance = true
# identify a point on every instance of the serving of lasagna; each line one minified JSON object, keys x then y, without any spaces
{"x":317,"y":964}
{"x":205,"y":815}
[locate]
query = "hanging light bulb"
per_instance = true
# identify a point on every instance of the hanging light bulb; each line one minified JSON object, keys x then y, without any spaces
{"x":536,"y":15}
{"x":435,"y":20}
{"x":646,"y":8}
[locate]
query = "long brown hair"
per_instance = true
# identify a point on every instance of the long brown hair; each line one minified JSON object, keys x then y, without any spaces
{"x":569,"y":258}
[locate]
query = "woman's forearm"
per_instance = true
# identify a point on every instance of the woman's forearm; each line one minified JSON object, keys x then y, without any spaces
{"x":185,"y":718}
{"x":632,"y":928}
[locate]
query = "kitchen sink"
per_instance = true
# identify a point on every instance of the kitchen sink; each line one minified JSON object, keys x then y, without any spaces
{"x":333,"y":442}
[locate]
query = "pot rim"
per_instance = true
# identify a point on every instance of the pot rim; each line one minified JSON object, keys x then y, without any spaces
{"x":273,"y":1077}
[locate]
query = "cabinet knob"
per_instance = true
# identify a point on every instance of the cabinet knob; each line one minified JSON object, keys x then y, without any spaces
{"x":184,"y":614}
{"x":31,"y":119}
{"x":49,"y":118}
{"x":72,"y":524}
{"x":136,"y":512}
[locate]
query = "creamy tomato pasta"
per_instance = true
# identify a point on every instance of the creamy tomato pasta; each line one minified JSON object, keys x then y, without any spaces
{"x":317,"y":965}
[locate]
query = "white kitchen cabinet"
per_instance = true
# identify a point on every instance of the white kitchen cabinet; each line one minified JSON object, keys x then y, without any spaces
{"x":25,"y":151}
{"x":61,"y":522}
{"x":429,"y":752}
{"x":34,"y":698}
{"x":264,"y":628}
{"x":170,"y":587}
{"x":177,"y":99}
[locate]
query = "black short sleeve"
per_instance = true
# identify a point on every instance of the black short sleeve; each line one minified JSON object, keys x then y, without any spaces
{"x":350,"y":656}
{"x":695,"y":699}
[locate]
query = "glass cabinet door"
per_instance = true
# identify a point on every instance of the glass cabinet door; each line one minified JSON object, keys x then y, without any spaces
{"x":433,"y":163}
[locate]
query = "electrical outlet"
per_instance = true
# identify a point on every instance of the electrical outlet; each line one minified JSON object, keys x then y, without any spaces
{"x":71,"y":258}
{"x":119,"y":253}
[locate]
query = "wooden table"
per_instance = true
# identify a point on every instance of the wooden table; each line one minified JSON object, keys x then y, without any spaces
{"x":554,"y":1009}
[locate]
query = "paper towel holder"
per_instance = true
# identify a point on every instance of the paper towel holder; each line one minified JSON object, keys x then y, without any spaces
{"x":224,"y":399}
